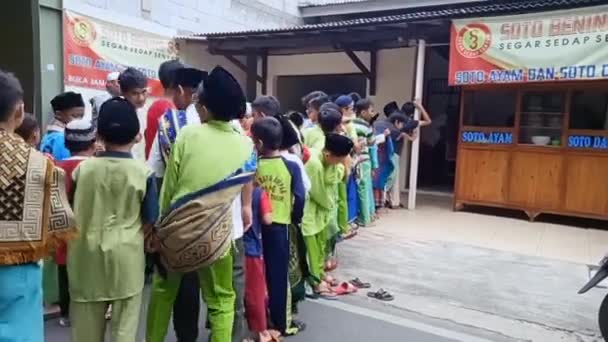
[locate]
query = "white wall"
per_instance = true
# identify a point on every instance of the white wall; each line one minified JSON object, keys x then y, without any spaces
{"x":198,"y":16}
{"x":395,"y":77}
{"x":196,"y":54}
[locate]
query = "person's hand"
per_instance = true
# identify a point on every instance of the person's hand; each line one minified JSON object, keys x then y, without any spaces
{"x":387,"y":132}
{"x":417,"y":103}
{"x":151,"y":242}
{"x":247,"y":215}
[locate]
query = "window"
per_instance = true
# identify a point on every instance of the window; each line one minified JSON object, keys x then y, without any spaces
{"x":589,"y":110}
{"x":542,"y":117}
{"x":490,"y":108}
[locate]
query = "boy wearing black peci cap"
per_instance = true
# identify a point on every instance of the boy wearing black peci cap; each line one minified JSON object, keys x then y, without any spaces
{"x":200,"y":166}
{"x":67,"y":106}
{"x":323,"y":169}
{"x":111,"y":239}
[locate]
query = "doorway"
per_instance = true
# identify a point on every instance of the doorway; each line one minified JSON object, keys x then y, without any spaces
{"x":291,"y":89}
{"x":438,"y":142}
{"x":19,"y":23}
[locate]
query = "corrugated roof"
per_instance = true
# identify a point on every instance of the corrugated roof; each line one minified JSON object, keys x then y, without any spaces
{"x":441,"y":12}
{"x":320,"y":3}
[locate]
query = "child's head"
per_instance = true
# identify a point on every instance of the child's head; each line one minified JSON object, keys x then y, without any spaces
{"x":134,"y":86}
{"x":265,"y":106}
{"x":314,"y":107}
{"x":267,"y":134}
{"x":185,"y":84}
{"x":337,"y":148}
{"x":408,"y":109}
{"x":306,"y":99}
{"x":29,"y":130}
{"x":346,"y":104}
{"x":355,"y":96}
{"x":296,"y":118}
{"x":166,"y":73}
{"x":330,"y":118}
{"x":221,"y":97}
{"x":390,"y":108}
{"x":112,"y":85}
{"x":68,"y":106}
{"x":80,"y":138}
{"x":365,"y":109}
{"x":118,"y":125}
{"x":11,"y":101}
{"x":291,"y":134}
{"x":398,"y":119}
{"x":247,"y":120}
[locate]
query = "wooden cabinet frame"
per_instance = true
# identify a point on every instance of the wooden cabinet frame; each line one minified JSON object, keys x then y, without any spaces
{"x":498,"y":165}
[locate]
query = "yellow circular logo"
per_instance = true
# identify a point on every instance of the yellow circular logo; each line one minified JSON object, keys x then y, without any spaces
{"x":83,"y":32}
{"x":473,"y":40}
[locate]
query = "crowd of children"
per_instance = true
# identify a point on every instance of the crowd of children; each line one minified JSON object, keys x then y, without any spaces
{"x":241,"y":203}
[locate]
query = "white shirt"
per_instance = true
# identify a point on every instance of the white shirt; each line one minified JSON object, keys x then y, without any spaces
{"x":294,"y":158}
{"x":237,"y":219}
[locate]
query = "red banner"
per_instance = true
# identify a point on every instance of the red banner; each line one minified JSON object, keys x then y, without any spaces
{"x":95,"y":48}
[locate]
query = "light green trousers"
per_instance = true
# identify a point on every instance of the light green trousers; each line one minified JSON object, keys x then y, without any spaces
{"x":365,"y":192}
{"x":89,"y":322}
{"x":315,"y":248}
{"x":217,"y":292}
{"x":342,"y":208}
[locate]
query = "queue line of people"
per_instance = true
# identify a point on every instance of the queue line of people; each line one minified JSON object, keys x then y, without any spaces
{"x":240,"y":203}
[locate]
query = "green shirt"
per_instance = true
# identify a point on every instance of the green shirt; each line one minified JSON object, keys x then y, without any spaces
{"x":314,"y":138}
{"x":114,"y":196}
{"x":365,"y":132}
{"x":351,"y":132}
{"x":203,"y":155}
{"x":322,"y":197}
{"x":273,"y":175}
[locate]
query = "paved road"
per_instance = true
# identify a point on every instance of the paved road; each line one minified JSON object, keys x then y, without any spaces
{"x":344,"y":321}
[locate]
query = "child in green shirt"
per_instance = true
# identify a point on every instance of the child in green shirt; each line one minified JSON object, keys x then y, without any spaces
{"x":106,"y":263}
{"x":322,"y":168}
{"x":282,"y":180}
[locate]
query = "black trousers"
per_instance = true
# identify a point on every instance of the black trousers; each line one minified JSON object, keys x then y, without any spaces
{"x":64,"y":290}
{"x":186,"y":308}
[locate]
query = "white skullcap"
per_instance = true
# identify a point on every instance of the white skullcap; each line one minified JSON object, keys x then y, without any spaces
{"x":113,"y":76}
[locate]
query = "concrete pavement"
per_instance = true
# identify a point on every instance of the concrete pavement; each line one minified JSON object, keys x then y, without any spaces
{"x":351,"y":320}
{"x":460,"y":277}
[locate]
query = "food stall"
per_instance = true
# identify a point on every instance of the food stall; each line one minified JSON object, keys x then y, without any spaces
{"x":534,"y":112}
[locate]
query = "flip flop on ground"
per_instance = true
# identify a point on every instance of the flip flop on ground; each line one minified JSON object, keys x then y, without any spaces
{"x":381,"y":295}
{"x":360,"y":284}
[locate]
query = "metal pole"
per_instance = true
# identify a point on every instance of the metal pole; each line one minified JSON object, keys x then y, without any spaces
{"x":414,"y":156}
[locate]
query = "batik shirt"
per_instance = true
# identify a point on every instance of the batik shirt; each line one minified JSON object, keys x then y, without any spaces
{"x":169,"y":125}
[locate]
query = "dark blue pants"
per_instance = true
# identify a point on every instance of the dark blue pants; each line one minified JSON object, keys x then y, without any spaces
{"x":276,"y":257}
{"x":352,"y":198}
